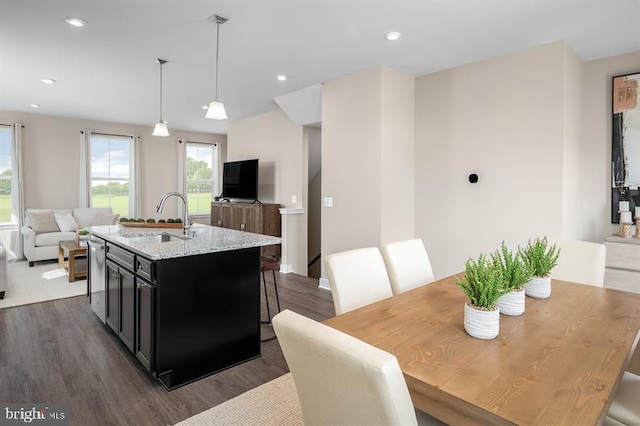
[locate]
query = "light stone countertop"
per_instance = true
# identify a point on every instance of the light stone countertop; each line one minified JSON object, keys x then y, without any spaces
{"x":207,"y":239}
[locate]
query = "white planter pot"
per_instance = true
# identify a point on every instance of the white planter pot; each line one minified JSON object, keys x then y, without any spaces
{"x":512,"y":303}
{"x":538,"y":287}
{"x":481,"y":324}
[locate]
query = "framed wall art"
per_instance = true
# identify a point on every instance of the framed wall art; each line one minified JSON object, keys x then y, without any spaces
{"x":625,"y":145}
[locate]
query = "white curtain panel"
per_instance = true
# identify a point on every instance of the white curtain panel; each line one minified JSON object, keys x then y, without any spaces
{"x":85,"y":162}
{"x":17,"y":191}
{"x":215,"y":172}
{"x":182,"y":175}
{"x":134,"y":193}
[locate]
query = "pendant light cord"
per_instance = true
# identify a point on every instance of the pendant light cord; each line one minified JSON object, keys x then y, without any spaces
{"x":161,"y":91}
{"x":217,"y":50}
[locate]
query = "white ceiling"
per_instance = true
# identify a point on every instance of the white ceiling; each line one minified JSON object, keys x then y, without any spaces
{"x":106,"y":70}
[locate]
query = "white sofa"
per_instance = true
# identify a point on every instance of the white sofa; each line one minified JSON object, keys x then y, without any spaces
{"x":44,"y":228}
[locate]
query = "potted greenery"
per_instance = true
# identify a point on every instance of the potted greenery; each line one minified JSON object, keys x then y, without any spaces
{"x":516,"y":273}
{"x":541,"y":259}
{"x":483,"y":284}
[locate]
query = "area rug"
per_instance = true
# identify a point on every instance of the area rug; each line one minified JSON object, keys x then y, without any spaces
{"x":42,"y":282}
{"x":274,"y":403}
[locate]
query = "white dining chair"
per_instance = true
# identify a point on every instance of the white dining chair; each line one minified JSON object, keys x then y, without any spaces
{"x":580,"y":262}
{"x":407,"y":264}
{"x":357,"y":278}
{"x":341,"y":380}
{"x":625,"y":407}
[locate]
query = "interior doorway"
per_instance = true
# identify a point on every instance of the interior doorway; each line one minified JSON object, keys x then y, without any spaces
{"x":314,"y":222}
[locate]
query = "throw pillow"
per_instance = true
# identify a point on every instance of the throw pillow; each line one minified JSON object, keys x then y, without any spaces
{"x":43,"y":222}
{"x":66,"y":222}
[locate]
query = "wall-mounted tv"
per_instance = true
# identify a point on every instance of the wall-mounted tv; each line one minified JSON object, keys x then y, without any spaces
{"x":240,"y":180}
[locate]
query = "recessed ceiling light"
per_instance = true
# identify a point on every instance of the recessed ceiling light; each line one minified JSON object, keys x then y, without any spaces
{"x":282,"y":77}
{"x":47,"y":80}
{"x":34,"y":105}
{"x":393,"y":36}
{"x":76,"y":22}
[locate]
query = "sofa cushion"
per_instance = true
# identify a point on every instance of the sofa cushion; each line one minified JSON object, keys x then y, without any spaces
{"x":42,"y":222}
{"x":53,"y":238}
{"x":66,"y":222}
{"x":106,"y":219}
{"x":88,"y":216}
{"x":27,"y":222}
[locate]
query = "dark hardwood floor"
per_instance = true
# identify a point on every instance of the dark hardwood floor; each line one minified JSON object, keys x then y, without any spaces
{"x":59,"y":352}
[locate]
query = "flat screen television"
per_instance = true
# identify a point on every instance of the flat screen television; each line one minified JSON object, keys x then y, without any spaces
{"x":240,"y":180}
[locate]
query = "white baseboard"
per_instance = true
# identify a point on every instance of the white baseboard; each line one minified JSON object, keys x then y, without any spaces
{"x":323,"y":283}
{"x":286,"y":269}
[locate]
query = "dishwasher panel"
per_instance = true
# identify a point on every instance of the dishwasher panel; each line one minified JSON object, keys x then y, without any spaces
{"x":96,"y":281}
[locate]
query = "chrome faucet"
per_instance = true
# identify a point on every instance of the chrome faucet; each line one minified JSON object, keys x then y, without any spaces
{"x":185,"y":219}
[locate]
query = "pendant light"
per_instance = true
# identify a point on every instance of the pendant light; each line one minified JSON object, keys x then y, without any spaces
{"x":161,"y":127}
{"x":216,"y":108}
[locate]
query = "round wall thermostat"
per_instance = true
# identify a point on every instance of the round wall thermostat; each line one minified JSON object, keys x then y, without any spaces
{"x":473,"y":178}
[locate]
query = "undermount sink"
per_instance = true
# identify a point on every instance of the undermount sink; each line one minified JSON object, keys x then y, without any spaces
{"x":159,"y":238}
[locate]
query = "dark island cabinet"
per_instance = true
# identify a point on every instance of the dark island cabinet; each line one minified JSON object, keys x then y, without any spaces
{"x":121,"y":302}
{"x":185,"y":318}
{"x":145,"y":304}
{"x":113,"y":297}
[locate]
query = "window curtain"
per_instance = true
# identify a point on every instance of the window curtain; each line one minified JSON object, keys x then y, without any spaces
{"x":134,"y":175}
{"x":182,"y":173}
{"x":84,"y":195}
{"x":17,"y":191}
{"x":215,"y":172}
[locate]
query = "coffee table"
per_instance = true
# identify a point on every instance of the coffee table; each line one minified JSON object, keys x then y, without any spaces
{"x":76,"y":261}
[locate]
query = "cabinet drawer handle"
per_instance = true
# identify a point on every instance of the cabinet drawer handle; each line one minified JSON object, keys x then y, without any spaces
{"x":144,"y":285}
{"x":141,"y":267}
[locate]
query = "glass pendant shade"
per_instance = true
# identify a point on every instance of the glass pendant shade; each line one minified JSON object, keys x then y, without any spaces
{"x":161,"y":129}
{"x":216,"y":111}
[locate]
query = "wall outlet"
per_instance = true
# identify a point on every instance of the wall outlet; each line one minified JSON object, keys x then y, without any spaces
{"x":328,"y":201}
{"x":294,"y":199}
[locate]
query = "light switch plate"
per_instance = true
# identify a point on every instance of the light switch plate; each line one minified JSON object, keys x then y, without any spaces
{"x":294,"y":199}
{"x":328,"y":201}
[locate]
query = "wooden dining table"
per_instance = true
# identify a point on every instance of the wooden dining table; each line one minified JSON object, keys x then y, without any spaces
{"x":558,"y":363}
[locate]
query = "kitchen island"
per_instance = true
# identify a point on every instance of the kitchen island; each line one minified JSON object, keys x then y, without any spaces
{"x":185,"y":306}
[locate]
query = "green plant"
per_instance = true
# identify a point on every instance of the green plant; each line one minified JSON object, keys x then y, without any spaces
{"x":483,"y":283}
{"x":540,"y":257}
{"x":516,"y":270}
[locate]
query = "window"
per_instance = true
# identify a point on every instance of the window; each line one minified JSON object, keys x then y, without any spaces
{"x":200,"y":176}
{"x":6,"y":136}
{"x":111,"y":176}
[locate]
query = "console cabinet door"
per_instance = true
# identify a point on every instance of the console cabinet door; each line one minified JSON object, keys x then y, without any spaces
{"x":113,"y":297}
{"x":145,"y":302}
{"x":251,"y":218}
{"x":127,"y":307}
{"x":236,"y":219}
{"x":216,"y":215}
